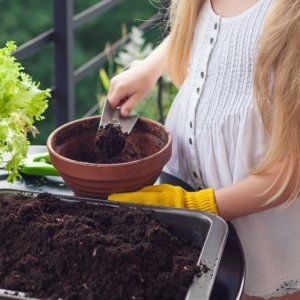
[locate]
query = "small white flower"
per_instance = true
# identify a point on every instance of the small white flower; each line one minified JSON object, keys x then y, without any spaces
{"x":135,"y":49}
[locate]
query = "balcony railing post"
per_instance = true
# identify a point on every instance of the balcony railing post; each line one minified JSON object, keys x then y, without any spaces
{"x":160,"y":101}
{"x":64,"y":63}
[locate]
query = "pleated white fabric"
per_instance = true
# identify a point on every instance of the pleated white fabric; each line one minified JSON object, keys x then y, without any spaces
{"x":218,"y":136}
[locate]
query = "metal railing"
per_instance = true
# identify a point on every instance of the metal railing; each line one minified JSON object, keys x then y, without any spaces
{"x":62,"y":36}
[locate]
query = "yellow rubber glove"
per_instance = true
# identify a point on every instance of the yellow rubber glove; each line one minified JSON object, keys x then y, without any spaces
{"x":171,"y":196}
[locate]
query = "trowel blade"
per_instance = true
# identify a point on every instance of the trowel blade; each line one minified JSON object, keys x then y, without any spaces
{"x":113,"y":116}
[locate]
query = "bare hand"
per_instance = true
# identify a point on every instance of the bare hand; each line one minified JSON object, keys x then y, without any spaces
{"x":130,"y":87}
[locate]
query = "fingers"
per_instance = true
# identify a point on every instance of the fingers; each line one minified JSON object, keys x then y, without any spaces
{"x":127,"y":104}
{"x":118,"y":97}
{"x":128,"y":88}
{"x":130,"y":104}
{"x":116,"y":93}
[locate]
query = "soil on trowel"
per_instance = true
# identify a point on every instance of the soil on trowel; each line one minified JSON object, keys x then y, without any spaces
{"x":110,"y":147}
{"x":52,"y":249}
{"x":109,"y":142}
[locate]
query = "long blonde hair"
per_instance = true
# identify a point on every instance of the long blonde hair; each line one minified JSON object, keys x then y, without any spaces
{"x":276,"y":82}
{"x":183,"y":18}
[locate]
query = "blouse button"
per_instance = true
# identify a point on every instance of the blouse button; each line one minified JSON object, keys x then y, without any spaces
{"x":191,"y":125}
{"x":202,"y":74}
{"x":190,"y":140}
{"x":216,"y":26}
{"x":211,"y":41}
{"x":195,"y":174}
{"x":198,"y":90}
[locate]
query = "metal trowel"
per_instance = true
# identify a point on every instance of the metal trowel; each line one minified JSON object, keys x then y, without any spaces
{"x":113,"y":116}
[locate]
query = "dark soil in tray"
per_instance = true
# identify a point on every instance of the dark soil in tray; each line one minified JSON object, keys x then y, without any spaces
{"x":51,"y":249}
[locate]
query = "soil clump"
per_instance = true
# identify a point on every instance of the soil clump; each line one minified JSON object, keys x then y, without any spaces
{"x":109,"y":142}
{"x":52,"y":249}
{"x":111,"y":147}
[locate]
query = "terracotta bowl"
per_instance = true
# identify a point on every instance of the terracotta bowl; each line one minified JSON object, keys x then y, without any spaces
{"x":68,"y":142}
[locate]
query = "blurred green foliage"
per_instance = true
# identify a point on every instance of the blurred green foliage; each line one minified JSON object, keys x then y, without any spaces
{"x":23,"y":20}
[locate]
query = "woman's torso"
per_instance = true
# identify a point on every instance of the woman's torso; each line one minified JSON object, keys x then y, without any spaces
{"x":218,"y":135}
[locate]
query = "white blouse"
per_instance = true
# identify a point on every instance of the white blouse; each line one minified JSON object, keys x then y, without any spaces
{"x":218,"y":136}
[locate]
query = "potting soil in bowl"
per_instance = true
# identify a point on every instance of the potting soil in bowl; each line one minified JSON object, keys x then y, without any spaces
{"x":84,"y":142}
{"x":52,"y":249}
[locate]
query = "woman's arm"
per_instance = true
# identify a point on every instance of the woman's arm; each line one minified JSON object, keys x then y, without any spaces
{"x":131,"y":86}
{"x":249,"y":195}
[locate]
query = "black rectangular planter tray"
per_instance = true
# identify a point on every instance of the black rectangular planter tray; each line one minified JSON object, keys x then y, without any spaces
{"x":205,"y":230}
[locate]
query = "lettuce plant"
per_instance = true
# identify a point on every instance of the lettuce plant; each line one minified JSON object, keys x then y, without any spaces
{"x":21,"y":104}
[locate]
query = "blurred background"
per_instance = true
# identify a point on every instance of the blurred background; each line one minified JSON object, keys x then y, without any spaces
{"x":21,"y":21}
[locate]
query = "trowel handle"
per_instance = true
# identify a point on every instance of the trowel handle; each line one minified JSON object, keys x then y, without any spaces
{"x":38,"y":164}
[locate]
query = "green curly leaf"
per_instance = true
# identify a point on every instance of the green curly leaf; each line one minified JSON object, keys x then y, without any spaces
{"x":21,"y":104}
